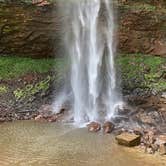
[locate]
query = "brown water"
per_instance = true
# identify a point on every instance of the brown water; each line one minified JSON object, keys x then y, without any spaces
{"x":37,"y":144}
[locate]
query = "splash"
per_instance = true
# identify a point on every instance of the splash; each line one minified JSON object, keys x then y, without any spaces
{"x":90,"y":43}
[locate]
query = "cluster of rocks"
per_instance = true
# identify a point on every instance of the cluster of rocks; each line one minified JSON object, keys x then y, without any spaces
{"x":150,"y":140}
{"x":46,"y":114}
{"x":40,"y":2}
{"x":153,"y":142}
{"x":9,"y":114}
{"x":95,"y":127}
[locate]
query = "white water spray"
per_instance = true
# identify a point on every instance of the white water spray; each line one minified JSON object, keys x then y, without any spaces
{"x":89,"y":42}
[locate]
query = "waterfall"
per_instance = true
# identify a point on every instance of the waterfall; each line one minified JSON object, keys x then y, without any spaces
{"x":89,"y":41}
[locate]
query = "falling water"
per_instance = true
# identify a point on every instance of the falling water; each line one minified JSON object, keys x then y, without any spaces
{"x":89,"y":42}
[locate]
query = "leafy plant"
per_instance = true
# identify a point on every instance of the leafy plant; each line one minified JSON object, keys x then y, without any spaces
{"x":31,"y":90}
{"x":3,"y":89}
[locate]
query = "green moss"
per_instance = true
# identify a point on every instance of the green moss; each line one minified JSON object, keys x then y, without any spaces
{"x":14,"y":67}
{"x":144,"y":71}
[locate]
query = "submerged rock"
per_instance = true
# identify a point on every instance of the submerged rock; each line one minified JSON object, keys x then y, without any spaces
{"x":128,"y":139}
{"x":108,"y":127}
{"x":94,"y":127}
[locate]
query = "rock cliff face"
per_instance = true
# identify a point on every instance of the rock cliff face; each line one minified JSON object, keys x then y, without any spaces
{"x":142,"y":28}
{"x":28,"y":30}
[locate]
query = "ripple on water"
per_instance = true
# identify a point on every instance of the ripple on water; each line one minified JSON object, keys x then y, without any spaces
{"x":41,"y":144}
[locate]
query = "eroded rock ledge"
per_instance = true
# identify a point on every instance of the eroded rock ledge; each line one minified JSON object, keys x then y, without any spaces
{"x":32,"y":30}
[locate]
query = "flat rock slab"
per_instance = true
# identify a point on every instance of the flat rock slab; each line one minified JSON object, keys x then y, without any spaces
{"x":128,"y":139}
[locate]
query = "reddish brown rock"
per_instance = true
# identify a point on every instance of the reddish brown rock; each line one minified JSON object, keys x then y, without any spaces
{"x":46,"y":114}
{"x":108,"y":127}
{"x":40,"y":118}
{"x":94,"y":127}
{"x":53,"y":118}
{"x":128,"y":139}
{"x":140,"y":31}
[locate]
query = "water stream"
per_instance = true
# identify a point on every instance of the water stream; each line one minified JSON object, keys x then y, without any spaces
{"x":90,"y":43}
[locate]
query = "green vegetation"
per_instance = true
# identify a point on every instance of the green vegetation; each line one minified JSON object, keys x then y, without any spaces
{"x":30,"y":90}
{"x":13,"y":67}
{"x":3,"y":89}
{"x":137,"y":71}
{"x":140,"y":6}
{"x":24,"y":1}
{"x":142,"y":71}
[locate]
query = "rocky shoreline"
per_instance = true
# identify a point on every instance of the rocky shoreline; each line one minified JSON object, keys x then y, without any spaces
{"x":30,"y":97}
{"x":142,"y":123}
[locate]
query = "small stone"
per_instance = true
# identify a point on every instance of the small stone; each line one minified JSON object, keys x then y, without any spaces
{"x":162,"y":149}
{"x":94,"y":127}
{"x":2,"y":120}
{"x":163,"y":95}
{"x":53,"y":118}
{"x":161,"y":139}
{"x":117,"y":132}
{"x":138,"y":131}
{"x":128,"y":139}
{"x":161,"y":143}
{"x":108,"y":127}
{"x":46,"y":110}
{"x":154,"y":148}
{"x":149,"y":151}
{"x":40,"y":118}
{"x":62,"y":110}
{"x":123,"y":110}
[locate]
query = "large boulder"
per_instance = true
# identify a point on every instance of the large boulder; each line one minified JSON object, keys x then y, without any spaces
{"x":108,"y":127}
{"x":128,"y":139}
{"x":94,"y":127}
